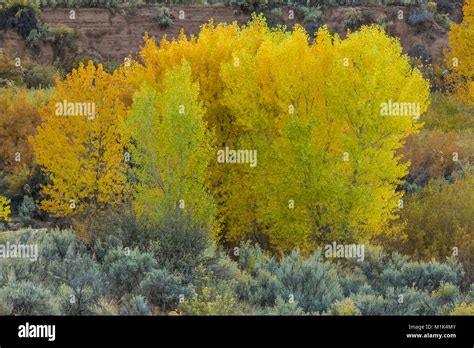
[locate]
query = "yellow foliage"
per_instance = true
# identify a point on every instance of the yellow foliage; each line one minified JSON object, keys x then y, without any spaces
{"x":171,"y":148}
{"x":461,"y":56}
{"x":327,"y":167}
{"x":80,"y":143}
{"x":18,"y":120}
{"x":9,"y":3}
{"x":306,"y":106}
{"x":301,"y":107}
{"x":4,"y":209}
{"x":463,"y":309}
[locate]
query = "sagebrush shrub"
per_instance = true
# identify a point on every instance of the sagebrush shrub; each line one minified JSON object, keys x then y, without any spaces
{"x":68,"y":279}
{"x":164,"y":289}
{"x":136,"y":305}
{"x":26,"y":298}
{"x":126,"y":269}
{"x":27,"y":209}
{"x":420,"y":16}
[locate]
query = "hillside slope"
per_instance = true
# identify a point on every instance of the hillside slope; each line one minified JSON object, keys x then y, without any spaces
{"x":109,"y":35}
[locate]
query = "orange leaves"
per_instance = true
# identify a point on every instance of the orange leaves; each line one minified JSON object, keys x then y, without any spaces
{"x":18,"y":120}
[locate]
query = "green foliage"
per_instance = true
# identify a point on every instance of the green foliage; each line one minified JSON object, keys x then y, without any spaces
{"x":420,"y":16}
{"x":209,"y":301}
{"x":68,"y":279}
{"x":251,"y":6}
{"x":126,"y":269}
{"x":29,"y":74}
{"x":446,"y":114}
{"x":312,"y":18}
{"x":171,"y":149}
{"x":433,"y":230}
{"x":62,"y":38}
{"x":276,"y":11}
{"x":177,"y":249}
{"x":26,"y":298}
{"x":311,"y":282}
{"x":164,"y":17}
{"x":354,"y":19}
{"x":136,"y":305}
{"x":20,"y":18}
{"x":33,"y":38}
{"x":39,"y":76}
{"x":427,"y":276}
{"x":470,"y":295}
{"x":404,"y":301}
{"x":443,"y":20}
{"x":344,"y":307}
{"x":446,"y":294}
{"x":163,"y":288}
{"x":27,"y":209}
{"x":283,"y":307}
{"x":431,"y":6}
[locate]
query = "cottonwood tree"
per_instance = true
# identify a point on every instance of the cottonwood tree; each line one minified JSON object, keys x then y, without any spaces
{"x":82,"y":154}
{"x":205,"y":54}
{"x":171,"y":150}
{"x":327,"y":165}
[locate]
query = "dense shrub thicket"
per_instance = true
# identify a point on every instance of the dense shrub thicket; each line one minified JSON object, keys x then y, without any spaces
{"x":74,"y":278}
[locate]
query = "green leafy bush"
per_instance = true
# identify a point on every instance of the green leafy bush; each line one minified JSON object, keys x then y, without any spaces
{"x":344,"y":307}
{"x":210,"y":302}
{"x":126,"y":269}
{"x":164,"y":289}
{"x":312,"y":282}
{"x":27,"y":209}
{"x":164,"y":17}
{"x":20,"y":18}
{"x":136,"y":305}
{"x":420,"y":16}
{"x":39,"y":76}
{"x":443,"y":20}
{"x":178,"y":246}
{"x":446,"y":114}
{"x":62,"y":38}
{"x":354,"y":19}
{"x":283,"y":307}
{"x":434,"y":231}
